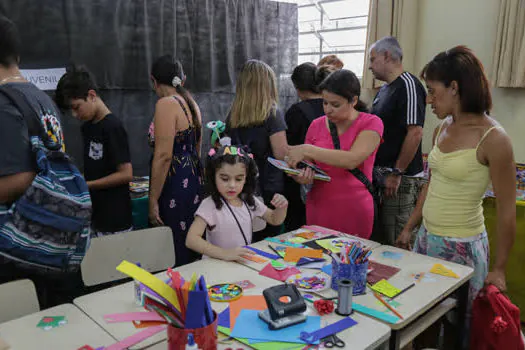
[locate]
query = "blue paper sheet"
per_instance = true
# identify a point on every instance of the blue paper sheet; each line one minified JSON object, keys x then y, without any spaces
{"x":327,"y":269}
{"x":263,"y":253}
{"x":249,"y":325}
{"x":392,"y":255}
{"x":224,"y":318}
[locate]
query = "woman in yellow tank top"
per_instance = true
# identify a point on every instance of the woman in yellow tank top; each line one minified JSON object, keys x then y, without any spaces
{"x":470,"y":149}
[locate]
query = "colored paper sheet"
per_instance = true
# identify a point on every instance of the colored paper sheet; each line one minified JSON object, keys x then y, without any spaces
{"x":379,"y":272}
{"x":283,"y":242}
{"x":254,"y":258}
{"x":156,"y":284}
{"x":263,"y":253}
{"x":306,"y":235}
{"x":263,"y":346}
{"x":196,"y":318}
{"x":250,"y":302}
{"x":137,"y":338}
{"x":439,"y":269}
{"x":133,"y":316}
{"x":375,"y":313}
{"x":250,"y":326}
{"x":392,"y":255}
{"x":245,"y":284}
{"x":297,"y":240}
{"x":295,"y":254}
{"x":279,"y":275}
{"x":223,"y":319}
{"x":385,"y":288}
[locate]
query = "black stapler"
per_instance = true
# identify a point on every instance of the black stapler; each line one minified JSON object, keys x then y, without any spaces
{"x":286,"y":306}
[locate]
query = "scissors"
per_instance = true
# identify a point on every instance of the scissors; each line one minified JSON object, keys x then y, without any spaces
{"x":333,"y":341}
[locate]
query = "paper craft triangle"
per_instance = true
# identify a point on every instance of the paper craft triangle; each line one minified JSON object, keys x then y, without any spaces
{"x":439,"y":269}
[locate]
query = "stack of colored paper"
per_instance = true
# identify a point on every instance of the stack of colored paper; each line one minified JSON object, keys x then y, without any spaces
{"x":176,"y":298}
{"x":241,"y":321}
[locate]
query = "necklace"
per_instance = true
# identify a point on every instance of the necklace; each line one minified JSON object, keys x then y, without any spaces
{"x":14,"y":77}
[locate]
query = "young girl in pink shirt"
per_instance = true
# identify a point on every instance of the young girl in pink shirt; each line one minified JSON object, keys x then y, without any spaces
{"x":227,"y":214}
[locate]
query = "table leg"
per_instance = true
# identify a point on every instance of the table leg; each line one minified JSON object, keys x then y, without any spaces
{"x":395,"y":339}
{"x":462,"y":314}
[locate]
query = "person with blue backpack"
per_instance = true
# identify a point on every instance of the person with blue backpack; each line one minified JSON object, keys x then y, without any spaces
{"x":107,"y":160}
{"x":45,"y":207}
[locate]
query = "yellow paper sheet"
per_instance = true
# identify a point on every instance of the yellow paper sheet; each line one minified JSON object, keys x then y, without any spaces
{"x":146,"y":278}
{"x":327,"y":244}
{"x":439,"y":269}
{"x":385,"y":288}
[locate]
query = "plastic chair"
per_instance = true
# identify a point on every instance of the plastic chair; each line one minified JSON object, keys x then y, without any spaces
{"x":153,"y":248}
{"x":17,"y":299}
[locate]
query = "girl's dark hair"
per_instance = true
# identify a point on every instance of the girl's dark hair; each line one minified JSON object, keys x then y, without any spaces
{"x":164,"y":69}
{"x":345,"y":84}
{"x":307,"y":76}
{"x":75,"y":83}
{"x":461,"y":65}
{"x":221,"y":157}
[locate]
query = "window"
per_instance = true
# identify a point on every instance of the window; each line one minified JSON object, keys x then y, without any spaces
{"x":333,"y":27}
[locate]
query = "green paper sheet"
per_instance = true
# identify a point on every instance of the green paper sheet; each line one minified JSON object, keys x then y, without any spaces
{"x":264,"y":346}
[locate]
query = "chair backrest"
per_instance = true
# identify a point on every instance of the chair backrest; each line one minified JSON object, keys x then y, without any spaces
{"x":17,"y":299}
{"x":153,"y":248}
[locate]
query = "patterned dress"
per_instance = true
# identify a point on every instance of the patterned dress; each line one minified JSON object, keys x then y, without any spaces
{"x":182,"y":191}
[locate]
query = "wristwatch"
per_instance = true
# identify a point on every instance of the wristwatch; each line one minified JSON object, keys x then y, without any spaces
{"x":396,"y":172}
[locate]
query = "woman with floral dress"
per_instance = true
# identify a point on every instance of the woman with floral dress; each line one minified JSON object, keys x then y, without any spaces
{"x":175,"y":135}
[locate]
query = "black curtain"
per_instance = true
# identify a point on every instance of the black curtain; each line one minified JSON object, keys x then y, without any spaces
{"x":118,"y":40}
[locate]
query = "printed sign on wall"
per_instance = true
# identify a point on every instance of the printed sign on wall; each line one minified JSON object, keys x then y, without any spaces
{"x":44,"y":79}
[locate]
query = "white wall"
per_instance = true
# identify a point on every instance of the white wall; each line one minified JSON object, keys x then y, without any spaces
{"x":447,"y":23}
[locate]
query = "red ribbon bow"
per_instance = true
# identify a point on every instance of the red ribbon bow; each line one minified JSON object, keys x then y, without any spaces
{"x":324,"y":307}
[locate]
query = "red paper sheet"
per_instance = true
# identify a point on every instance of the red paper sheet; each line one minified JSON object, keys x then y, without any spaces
{"x":379,"y":272}
{"x":279,"y":275}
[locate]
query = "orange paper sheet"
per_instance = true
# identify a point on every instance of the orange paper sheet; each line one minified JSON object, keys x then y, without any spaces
{"x":306,"y":235}
{"x":294,"y":254}
{"x":248,"y":302}
{"x":255,"y":258}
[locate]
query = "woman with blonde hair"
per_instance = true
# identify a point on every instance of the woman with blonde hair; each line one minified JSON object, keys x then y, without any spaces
{"x":256,"y":121}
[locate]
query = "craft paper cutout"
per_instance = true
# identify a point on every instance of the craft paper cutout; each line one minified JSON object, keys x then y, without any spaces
{"x":263,"y":253}
{"x":297,"y":239}
{"x":385,"y":288}
{"x":439,"y":269}
{"x":250,"y":302}
{"x":254,"y":258}
{"x":156,"y":284}
{"x":49,"y":322}
{"x":245,"y":284}
{"x":133,"y":316}
{"x":283,"y":242}
{"x":391,"y":255}
{"x":294,"y":254}
{"x":279,"y":275}
{"x":223,"y":319}
{"x":147,"y":324}
{"x":379,"y":272}
{"x":306,"y":235}
{"x":252,"y":327}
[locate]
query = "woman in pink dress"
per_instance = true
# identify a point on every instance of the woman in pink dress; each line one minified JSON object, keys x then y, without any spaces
{"x":343,"y":204}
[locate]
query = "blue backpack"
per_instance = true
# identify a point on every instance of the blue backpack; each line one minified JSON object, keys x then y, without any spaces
{"x":48,"y":227}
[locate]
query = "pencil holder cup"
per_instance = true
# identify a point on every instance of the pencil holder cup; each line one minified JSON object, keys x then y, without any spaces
{"x":205,"y":337}
{"x":353,"y":272}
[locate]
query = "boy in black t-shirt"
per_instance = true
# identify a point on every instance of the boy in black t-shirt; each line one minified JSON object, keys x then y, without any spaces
{"x":107,"y":164}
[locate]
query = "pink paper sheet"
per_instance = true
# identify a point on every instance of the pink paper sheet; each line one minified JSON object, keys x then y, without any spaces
{"x":280,"y":275}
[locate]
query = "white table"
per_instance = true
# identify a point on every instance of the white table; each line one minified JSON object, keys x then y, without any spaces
{"x":80,"y":330}
{"x":368,"y":334}
{"x":424,"y":299}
